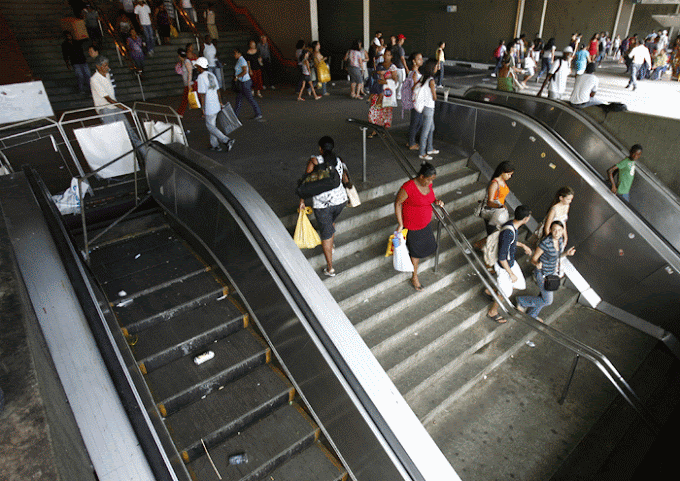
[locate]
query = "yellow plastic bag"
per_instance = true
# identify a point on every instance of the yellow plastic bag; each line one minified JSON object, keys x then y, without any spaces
{"x":323,"y":73}
{"x":305,"y":235}
{"x":390,"y":246}
{"x":194,"y":103}
{"x":173,"y":32}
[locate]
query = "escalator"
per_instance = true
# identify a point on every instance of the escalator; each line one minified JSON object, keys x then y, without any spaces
{"x":626,"y":267}
{"x":208,"y":274}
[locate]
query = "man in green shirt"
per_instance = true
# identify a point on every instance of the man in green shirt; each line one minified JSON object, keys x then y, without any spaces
{"x":626,"y":170}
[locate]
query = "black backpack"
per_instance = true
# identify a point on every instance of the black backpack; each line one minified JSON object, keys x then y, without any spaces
{"x":323,"y":178}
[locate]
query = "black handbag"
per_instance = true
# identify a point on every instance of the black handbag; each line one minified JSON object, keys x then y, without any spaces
{"x":323,"y":178}
{"x":551,"y":282}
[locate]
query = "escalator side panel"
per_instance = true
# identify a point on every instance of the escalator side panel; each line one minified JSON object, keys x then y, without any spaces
{"x":600,"y":225}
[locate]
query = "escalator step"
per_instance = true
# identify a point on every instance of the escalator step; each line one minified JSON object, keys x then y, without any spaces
{"x":268,"y":444}
{"x":315,"y":462}
{"x":228,"y":411}
{"x":170,"y":272}
{"x":126,"y":247}
{"x":187,"y":332}
{"x":140,"y":261}
{"x":154,"y":307}
{"x":182,"y":382}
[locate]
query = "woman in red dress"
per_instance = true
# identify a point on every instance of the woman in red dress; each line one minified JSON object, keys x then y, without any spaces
{"x":413,"y":209}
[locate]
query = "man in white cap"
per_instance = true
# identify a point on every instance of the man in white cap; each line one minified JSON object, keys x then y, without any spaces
{"x":557,"y":77}
{"x":211,"y":103}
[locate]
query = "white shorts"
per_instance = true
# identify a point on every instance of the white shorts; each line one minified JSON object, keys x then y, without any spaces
{"x":505,"y":283}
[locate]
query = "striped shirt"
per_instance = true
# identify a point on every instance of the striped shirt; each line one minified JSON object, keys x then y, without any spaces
{"x":550,"y":257}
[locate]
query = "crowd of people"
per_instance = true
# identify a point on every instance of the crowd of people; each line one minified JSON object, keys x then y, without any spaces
{"x":520,"y":60}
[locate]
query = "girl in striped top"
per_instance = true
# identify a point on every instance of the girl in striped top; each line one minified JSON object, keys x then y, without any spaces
{"x":546,"y":259}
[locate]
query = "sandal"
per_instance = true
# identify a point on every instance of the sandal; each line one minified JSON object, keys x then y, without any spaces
{"x":498,"y":318}
{"x":372,"y":134}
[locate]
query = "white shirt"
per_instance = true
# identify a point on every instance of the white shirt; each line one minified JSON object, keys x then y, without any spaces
{"x":584,"y":85}
{"x":210,"y":53}
{"x":144,"y":13}
{"x":101,"y":87}
{"x":187,"y":4}
{"x":207,"y":84}
{"x":558,"y":84}
{"x":334,"y":196}
{"x":640,"y":54}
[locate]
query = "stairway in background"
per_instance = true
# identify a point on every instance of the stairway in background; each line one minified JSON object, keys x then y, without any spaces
{"x":39,"y":35}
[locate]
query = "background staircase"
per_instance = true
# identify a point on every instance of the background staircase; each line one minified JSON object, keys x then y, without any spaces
{"x":39,"y":34}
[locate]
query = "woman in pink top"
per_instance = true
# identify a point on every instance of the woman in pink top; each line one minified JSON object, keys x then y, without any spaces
{"x":413,"y":208}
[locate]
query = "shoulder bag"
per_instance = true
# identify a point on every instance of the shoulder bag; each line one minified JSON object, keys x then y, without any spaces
{"x":323,"y":178}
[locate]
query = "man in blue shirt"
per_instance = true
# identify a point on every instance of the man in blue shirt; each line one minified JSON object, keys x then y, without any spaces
{"x":508,"y":273}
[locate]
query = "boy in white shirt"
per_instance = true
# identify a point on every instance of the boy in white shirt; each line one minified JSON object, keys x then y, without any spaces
{"x":211,"y":102}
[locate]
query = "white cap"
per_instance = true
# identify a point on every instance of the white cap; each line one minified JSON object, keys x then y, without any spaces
{"x":201,"y":62}
{"x":568,"y":50}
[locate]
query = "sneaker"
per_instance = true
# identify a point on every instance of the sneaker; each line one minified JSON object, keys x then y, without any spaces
{"x":216,"y":149}
{"x":414,"y":147}
{"x":272,"y":87}
{"x":328,"y":273}
{"x":425,"y":157}
{"x":230,"y":144}
{"x":432,"y":152}
{"x":493,"y":75}
{"x":259,"y":118}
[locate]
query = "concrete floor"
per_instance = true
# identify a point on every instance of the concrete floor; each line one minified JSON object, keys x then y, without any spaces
{"x":271,"y":156}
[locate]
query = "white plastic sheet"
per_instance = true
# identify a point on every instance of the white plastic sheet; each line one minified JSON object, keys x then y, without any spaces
{"x":169,"y":136}
{"x":103,"y":143}
{"x":69,"y":201}
{"x":401,"y":259}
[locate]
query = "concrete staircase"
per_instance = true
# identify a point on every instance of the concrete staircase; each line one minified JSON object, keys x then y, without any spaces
{"x":437,"y":345}
{"x":39,"y":35}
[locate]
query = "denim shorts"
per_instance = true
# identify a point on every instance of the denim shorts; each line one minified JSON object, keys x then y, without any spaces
{"x":326,"y":218}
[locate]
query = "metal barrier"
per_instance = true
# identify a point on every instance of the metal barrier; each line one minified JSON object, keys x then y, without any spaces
{"x":578,"y":348}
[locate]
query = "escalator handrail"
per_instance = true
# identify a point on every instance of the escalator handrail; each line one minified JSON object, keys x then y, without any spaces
{"x":598,"y":130}
{"x":209,"y":179}
{"x":461,"y":241}
{"x":140,"y":421}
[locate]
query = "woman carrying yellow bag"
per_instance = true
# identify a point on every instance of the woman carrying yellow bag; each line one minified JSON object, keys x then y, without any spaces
{"x":305,"y":235}
{"x":323,"y":73}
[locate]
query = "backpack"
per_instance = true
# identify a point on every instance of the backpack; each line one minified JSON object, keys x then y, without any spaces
{"x":178,"y":68}
{"x":490,"y":250}
{"x":497,"y":52}
{"x":323,"y":178}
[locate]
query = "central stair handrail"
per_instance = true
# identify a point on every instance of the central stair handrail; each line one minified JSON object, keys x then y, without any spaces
{"x":579,"y":348}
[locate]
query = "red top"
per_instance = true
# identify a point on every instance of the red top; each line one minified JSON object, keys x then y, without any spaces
{"x":417,"y":208}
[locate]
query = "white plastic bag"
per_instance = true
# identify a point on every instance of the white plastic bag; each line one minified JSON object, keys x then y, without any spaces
{"x":69,"y":201}
{"x":401,"y":259}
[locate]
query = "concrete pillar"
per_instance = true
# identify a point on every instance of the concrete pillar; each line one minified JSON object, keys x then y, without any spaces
{"x":520,"y":17}
{"x":630,"y":21}
{"x":314,"y":19}
{"x":367,"y":24}
{"x":540,"y":29}
{"x":618,"y":19}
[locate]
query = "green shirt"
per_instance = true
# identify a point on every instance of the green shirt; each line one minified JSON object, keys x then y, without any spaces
{"x":626,"y":174}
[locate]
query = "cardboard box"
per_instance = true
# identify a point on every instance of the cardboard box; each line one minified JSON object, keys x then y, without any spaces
{"x":76,"y":26}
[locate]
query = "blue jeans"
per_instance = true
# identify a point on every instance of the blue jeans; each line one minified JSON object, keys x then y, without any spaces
{"x":149,"y":37}
{"x":634,"y":69}
{"x":216,"y":135}
{"x":82,"y":72}
{"x":546,"y":65}
{"x":625,"y":197}
{"x":440,"y":79}
{"x":499,"y":64}
{"x":427,"y":133}
{"x":534,"y":304}
{"x":414,"y":125}
{"x":246,"y":90}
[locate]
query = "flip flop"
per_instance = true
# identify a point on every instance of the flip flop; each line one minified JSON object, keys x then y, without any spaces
{"x":498,"y":318}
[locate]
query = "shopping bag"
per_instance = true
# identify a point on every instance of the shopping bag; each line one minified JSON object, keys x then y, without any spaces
{"x":69,"y":201}
{"x":194,"y":103}
{"x":353,"y":196}
{"x":305,"y":235}
{"x":323,"y":72}
{"x":227,"y":119}
{"x":390,"y":94}
{"x":390,"y":243}
{"x":401,"y":259}
{"x":173,"y":32}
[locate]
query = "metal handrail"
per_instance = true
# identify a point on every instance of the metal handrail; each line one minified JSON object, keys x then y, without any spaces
{"x":579,"y":348}
{"x":189,"y":21}
{"x":121,"y":49}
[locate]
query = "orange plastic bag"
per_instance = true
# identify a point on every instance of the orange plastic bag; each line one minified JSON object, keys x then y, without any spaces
{"x":306,"y":237}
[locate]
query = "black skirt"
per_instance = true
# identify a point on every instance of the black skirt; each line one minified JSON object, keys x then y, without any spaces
{"x":421,"y":243}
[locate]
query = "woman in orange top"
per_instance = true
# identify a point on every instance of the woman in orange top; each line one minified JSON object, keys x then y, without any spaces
{"x":494,"y":212}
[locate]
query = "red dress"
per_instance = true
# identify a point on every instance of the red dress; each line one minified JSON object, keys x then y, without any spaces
{"x":417,"y":208}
